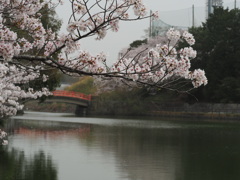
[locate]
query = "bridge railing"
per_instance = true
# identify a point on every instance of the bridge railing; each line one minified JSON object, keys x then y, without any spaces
{"x":72,"y":94}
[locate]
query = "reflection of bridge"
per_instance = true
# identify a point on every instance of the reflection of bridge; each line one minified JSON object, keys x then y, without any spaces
{"x":81,"y":100}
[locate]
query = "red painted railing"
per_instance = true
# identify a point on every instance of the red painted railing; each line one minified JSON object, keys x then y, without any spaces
{"x":72,"y":94}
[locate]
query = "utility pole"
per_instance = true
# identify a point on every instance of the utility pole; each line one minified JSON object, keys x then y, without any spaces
{"x":193,"y":22}
{"x":150,"y":28}
{"x":235,"y":4}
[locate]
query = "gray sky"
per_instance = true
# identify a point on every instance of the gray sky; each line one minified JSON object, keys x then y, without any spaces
{"x":173,"y":12}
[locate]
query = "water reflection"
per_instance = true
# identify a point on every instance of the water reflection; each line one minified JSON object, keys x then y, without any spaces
{"x":142,"y":153}
{"x":211,"y":154}
{"x":14,"y":165}
{"x":181,"y":154}
{"x":113,"y":149}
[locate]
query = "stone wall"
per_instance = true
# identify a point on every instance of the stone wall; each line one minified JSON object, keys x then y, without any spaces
{"x":199,"y":110}
{"x":196,"y":110}
{"x":200,"y":107}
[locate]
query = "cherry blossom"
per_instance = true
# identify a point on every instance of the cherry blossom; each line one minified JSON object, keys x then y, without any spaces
{"x":189,"y":38}
{"x":163,"y":64}
{"x":12,"y":90}
{"x":173,"y":34}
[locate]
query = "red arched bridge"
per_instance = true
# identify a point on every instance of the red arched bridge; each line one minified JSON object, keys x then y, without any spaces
{"x":72,"y":94}
{"x":81,"y":100}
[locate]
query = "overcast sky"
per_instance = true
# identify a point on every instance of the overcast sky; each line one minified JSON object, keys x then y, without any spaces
{"x":173,"y":12}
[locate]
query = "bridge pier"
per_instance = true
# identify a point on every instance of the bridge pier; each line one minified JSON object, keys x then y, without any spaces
{"x":80,"y":111}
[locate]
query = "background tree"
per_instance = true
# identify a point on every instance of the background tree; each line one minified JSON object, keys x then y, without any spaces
{"x":137,"y":43}
{"x":49,"y":20}
{"x":218,"y":47}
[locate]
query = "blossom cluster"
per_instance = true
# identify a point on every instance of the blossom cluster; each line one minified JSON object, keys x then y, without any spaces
{"x":13,"y":90}
{"x":160,"y":64}
{"x":22,"y":15}
{"x":163,"y":62}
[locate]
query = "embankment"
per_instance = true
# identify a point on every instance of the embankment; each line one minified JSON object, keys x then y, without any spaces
{"x":172,"y":109}
{"x":151,"y":108}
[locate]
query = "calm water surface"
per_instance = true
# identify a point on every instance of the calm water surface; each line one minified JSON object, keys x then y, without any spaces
{"x":50,"y":146}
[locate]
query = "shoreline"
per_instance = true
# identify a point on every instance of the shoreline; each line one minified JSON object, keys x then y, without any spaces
{"x":174,"y":110}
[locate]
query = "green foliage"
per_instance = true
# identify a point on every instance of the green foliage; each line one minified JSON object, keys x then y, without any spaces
{"x":84,"y":85}
{"x":218,"y":47}
{"x":52,"y":82}
{"x":49,"y":19}
{"x":131,"y":102}
{"x":121,"y":102}
{"x":137,"y":43}
{"x":229,"y":90}
{"x":66,"y":79}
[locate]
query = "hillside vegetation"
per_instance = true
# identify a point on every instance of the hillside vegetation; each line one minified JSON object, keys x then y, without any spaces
{"x":122,"y":101}
{"x":84,"y":85}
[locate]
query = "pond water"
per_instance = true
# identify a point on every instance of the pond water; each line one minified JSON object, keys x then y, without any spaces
{"x":58,"y":146}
